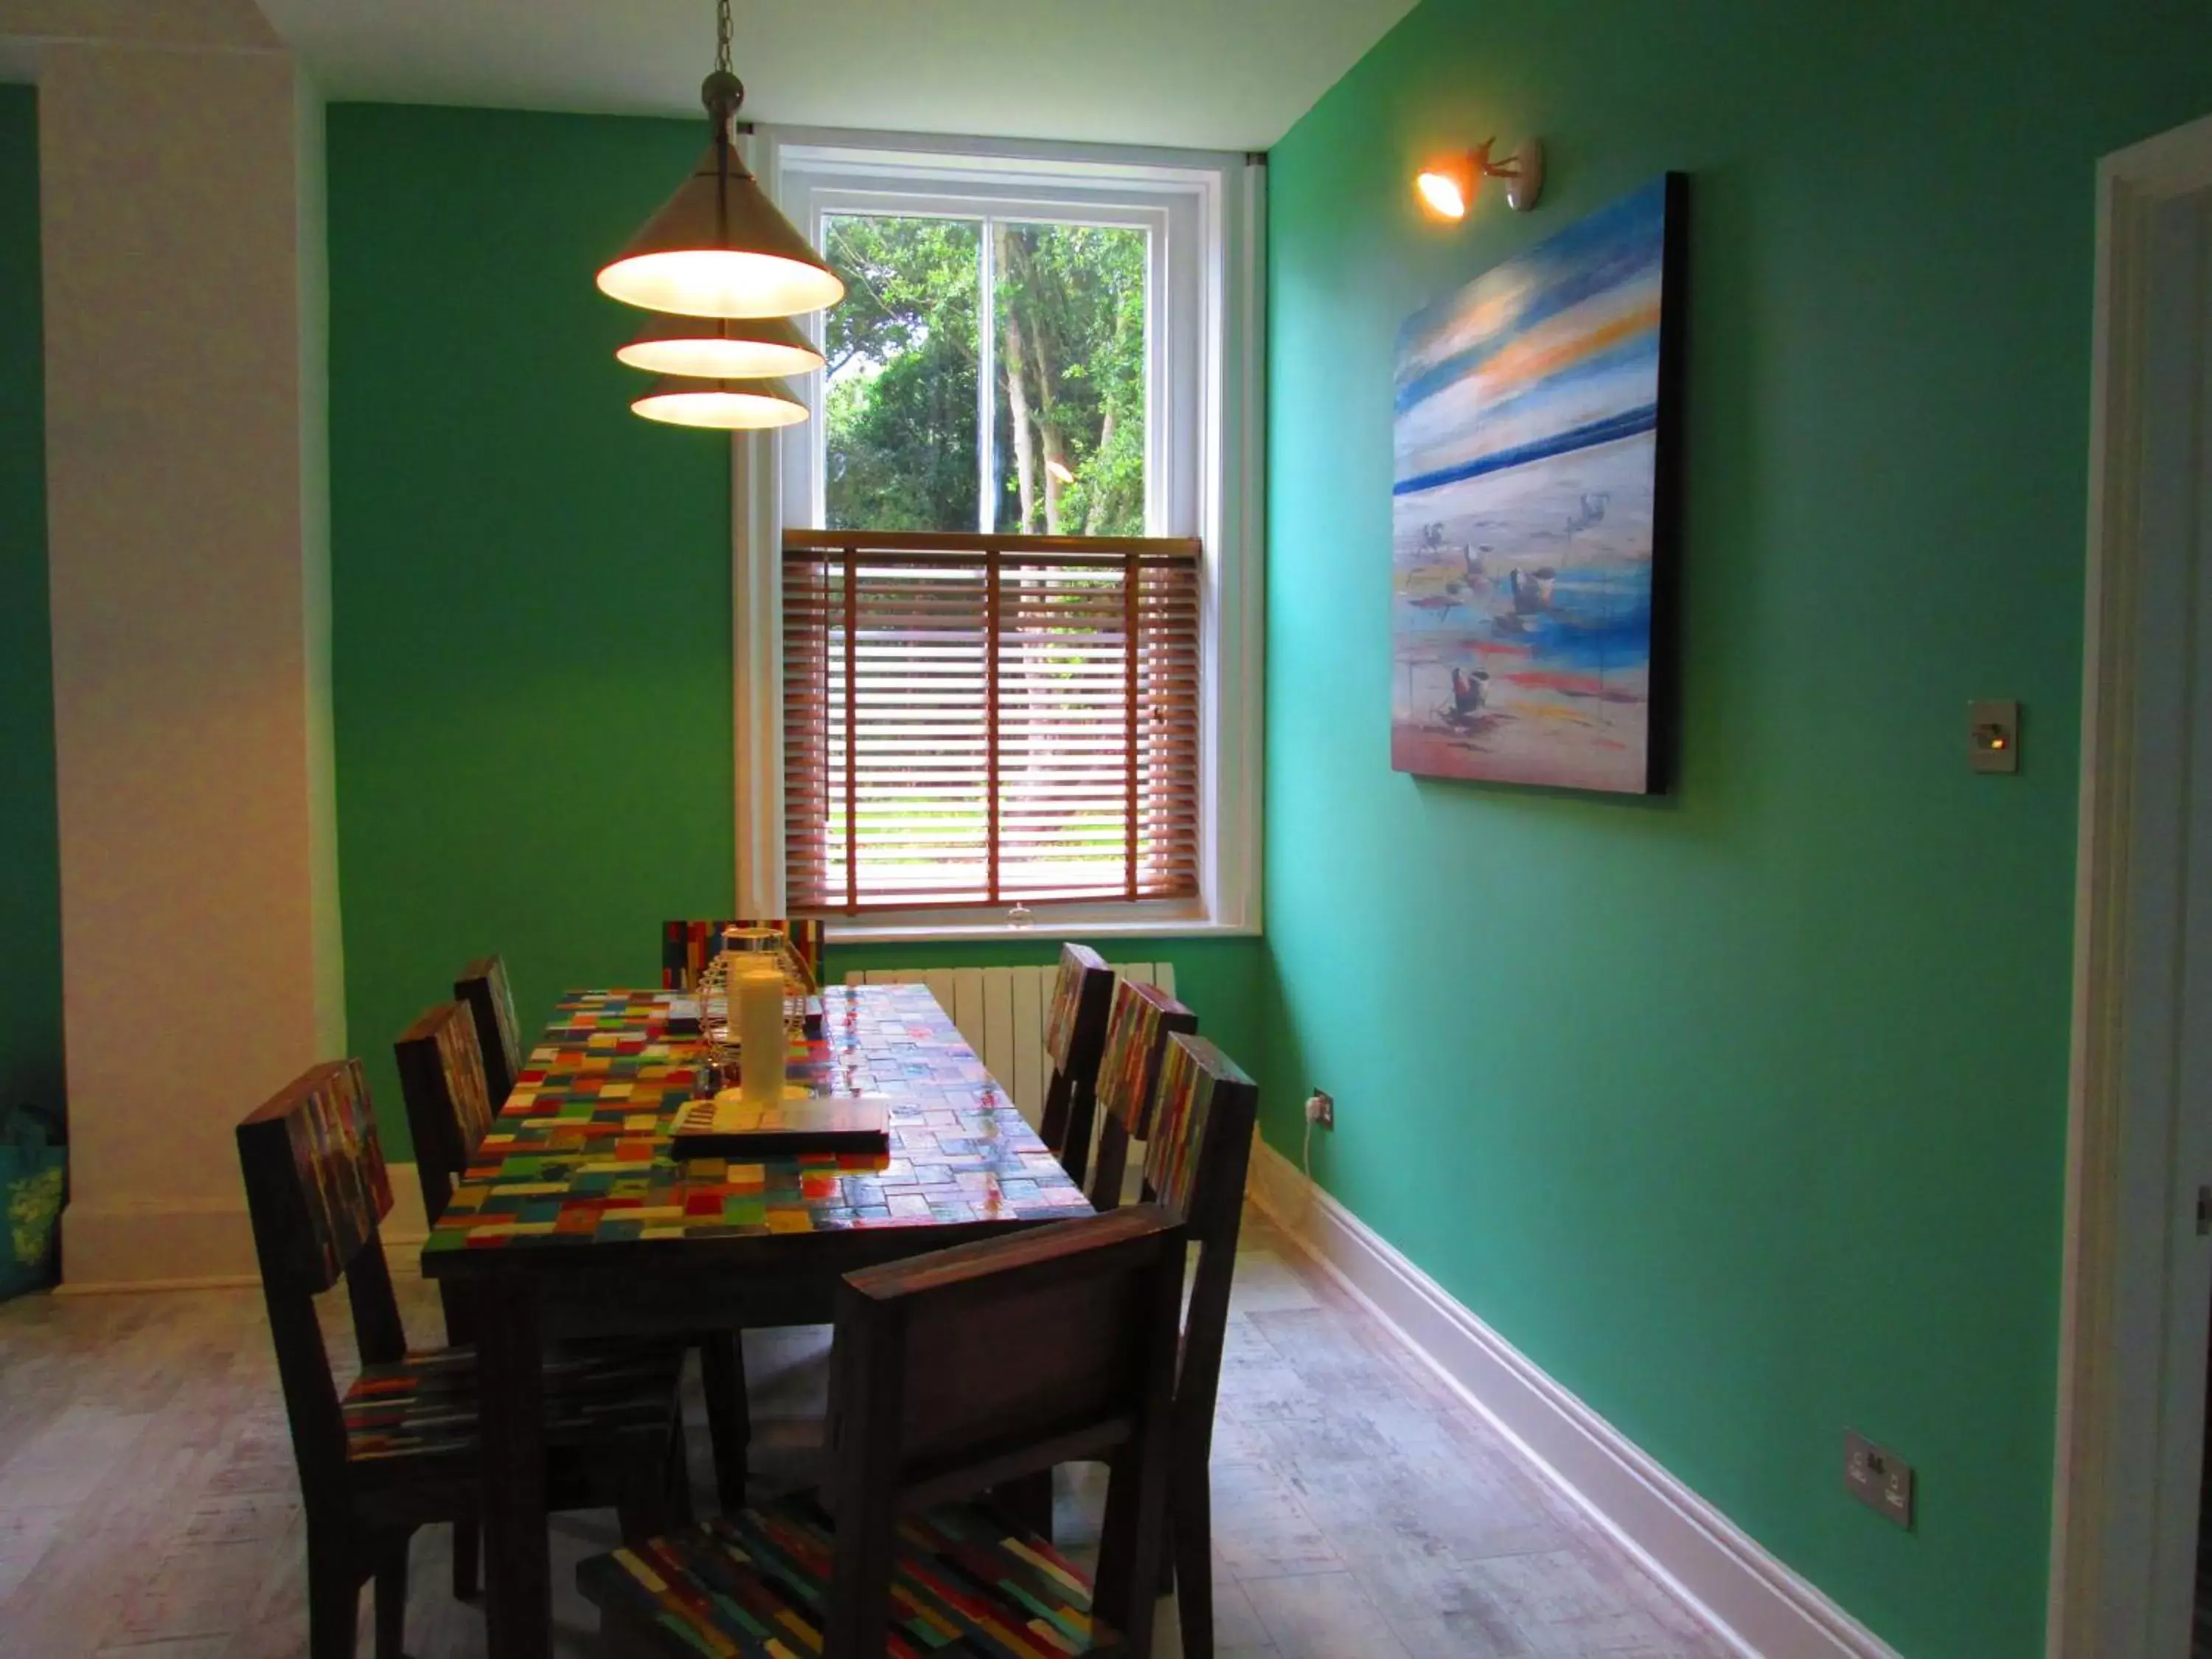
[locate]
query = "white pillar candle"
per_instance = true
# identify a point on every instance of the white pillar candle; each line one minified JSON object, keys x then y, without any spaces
{"x":756,"y":998}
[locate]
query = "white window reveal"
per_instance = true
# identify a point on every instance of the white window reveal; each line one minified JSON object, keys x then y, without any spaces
{"x":1037,"y":341}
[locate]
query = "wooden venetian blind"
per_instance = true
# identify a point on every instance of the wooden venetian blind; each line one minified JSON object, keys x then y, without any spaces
{"x":983,"y":719}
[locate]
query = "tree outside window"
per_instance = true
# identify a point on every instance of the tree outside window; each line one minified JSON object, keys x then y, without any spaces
{"x":1064,"y":345}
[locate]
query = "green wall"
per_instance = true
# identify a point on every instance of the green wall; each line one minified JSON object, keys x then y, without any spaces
{"x":530,"y":585}
{"x":30,"y":854}
{"x":1740,"y":1112}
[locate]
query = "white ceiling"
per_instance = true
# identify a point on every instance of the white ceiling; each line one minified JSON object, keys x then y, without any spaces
{"x":1207,"y":74}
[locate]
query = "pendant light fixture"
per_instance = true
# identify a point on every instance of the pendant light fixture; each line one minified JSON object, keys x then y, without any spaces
{"x":728,"y":405}
{"x":720,"y":247}
{"x":721,"y":348}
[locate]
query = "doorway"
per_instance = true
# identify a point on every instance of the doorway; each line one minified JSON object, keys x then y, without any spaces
{"x":2137,"y":1292}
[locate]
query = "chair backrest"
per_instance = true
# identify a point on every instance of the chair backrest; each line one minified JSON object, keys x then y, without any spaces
{"x":316,"y":1189}
{"x":1195,"y":1167}
{"x":316,"y":1186}
{"x":1074,"y":1036}
{"x":1137,"y":1033}
{"x":449,"y":1112}
{"x":482,"y":985}
{"x":954,"y":1372}
{"x":686,"y":947}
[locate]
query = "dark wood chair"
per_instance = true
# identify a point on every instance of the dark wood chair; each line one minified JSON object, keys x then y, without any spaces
{"x":441,"y":1073}
{"x":449,"y":1112}
{"x":399,"y":1447}
{"x":945,"y":1382}
{"x":482,"y":985}
{"x":1074,"y":1036}
{"x":686,"y":947}
{"x":1196,"y":1155}
{"x":1195,"y":1113}
{"x":1137,"y":1033}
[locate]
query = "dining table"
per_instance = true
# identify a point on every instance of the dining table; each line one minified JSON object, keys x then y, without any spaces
{"x":576,"y":1218}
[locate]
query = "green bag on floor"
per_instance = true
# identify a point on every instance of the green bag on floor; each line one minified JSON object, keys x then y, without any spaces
{"x":33,"y":1170}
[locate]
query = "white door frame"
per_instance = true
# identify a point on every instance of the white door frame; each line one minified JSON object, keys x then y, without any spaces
{"x":2133,"y":1309}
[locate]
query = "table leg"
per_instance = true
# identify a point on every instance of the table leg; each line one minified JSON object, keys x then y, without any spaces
{"x":511,"y":1384}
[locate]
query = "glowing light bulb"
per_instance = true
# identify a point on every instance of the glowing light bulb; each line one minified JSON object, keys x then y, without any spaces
{"x":1442,"y":194}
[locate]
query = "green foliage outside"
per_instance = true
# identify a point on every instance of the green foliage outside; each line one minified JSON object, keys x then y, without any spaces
{"x":901,"y":375}
{"x":904,"y":346}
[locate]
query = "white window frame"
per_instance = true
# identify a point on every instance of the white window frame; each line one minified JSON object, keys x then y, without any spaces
{"x":1205,"y":348}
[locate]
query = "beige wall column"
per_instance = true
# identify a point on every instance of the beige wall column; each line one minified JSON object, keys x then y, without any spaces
{"x":188,"y":533}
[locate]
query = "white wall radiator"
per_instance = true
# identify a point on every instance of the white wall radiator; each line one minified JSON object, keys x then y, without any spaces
{"x":1000,"y":1010}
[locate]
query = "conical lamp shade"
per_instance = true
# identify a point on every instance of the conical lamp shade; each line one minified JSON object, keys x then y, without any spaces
{"x":720,"y":348}
{"x":728,"y":405}
{"x":720,"y":248}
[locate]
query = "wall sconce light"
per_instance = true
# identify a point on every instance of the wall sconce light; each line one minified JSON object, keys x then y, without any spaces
{"x":1447,"y":187}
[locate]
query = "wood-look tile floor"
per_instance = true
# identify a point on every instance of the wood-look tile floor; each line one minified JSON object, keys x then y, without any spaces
{"x":148,"y":1505}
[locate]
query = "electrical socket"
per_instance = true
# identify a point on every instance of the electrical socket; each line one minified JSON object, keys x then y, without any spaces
{"x":1321,"y":1110}
{"x":1878,"y":1478}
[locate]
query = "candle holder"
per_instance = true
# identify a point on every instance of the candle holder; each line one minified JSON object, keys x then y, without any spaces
{"x":719,"y":1043}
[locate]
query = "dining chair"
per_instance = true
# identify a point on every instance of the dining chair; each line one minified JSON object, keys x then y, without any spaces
{"x":484,"y":986}
{"x":442,"y":1077}
{"x":1074,"y":1034}
{"x":943,"y":1384}
{"x":686,"y":947}
{"x":1143,"y":1018}
{"x":1137,"y":1033}
{"x":398,"y":1448}
{"x":1196,"y":1155}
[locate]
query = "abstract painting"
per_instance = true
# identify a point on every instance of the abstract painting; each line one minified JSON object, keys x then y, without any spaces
{"x":1529,"y":508}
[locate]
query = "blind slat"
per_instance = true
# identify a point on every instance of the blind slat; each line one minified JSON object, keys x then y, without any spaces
{"x":971,"y":719}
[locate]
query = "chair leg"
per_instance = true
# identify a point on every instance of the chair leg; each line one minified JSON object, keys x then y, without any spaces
{"x":391,"y":1601}
{"x":468,"y":1554}
{"x":677,"y":1467}
{"x":1027,"y":1501}
{"x":729,"y":1421}
{"x":1190,"y":1545}
{"x":642,"y":1503}
{"x":333,"y":1600}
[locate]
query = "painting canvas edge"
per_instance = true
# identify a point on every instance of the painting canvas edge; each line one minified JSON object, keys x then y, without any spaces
{"x":1663,"y":757}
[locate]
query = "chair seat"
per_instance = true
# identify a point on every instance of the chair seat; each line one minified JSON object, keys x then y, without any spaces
{"x":426,"y":1406}
{"x":967,"y":1585}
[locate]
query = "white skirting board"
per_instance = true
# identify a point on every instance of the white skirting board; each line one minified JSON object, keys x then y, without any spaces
{"x":406,"y":1224}
{"x":111,"y":1251}
{"x":145,"y":1247}
{"x":1759,"y":1606}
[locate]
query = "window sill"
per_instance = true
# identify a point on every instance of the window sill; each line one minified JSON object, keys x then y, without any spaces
{"x":1045,"y":930}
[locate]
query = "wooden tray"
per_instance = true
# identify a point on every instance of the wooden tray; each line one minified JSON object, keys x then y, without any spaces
{"x":726,"y":1127}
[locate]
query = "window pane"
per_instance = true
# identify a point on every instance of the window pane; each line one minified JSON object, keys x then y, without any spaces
{"x":1070,"y":394}
{"x":900,"y":392}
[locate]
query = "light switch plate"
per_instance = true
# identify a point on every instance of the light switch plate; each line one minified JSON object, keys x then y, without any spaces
{"x":1993,"y":737}
{"x":1878,"y":1478}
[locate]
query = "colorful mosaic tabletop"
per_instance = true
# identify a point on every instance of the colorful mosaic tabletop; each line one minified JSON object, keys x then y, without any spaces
{"x":581,"y":1152}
